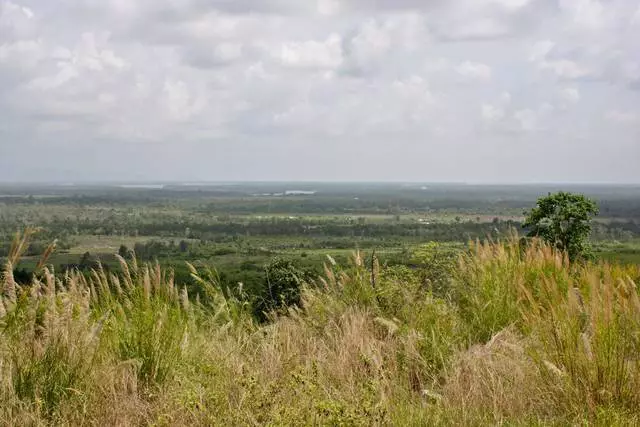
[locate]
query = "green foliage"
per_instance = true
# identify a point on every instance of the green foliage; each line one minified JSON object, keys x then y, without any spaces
{"x":519,"y":336}
{"x":282,"y":287}
{"x":429,"y":327}
{"x":50,"y":377}
{"x":123,"y":251}
{"x":148,"y":321}
{"x":436,"y":264}
{"x":150,"y":333}
{"x":564,"y":220}
{"x":48,"y":343}
{"x":88,"y":262}
{"x":227,"y":304}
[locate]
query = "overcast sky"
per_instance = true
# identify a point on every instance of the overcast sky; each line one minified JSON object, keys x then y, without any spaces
{"x":402,"y":90}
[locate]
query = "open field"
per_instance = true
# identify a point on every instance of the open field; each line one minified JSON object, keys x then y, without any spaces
{"x":238,"y":228}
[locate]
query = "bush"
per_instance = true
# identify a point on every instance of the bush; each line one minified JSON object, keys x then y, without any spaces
{"x":282,"y":287}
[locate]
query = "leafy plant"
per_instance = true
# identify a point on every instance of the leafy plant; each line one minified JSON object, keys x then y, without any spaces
{"x":564,"y":221}
{"x":282,"y":287}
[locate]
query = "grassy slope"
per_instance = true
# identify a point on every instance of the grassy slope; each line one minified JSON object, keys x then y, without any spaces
{"x":519,"y":338}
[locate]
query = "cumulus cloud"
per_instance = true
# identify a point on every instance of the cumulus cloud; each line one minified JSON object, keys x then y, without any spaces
{"x":474,"y":71}
{"x":527,"y":118}
{"x":491,"y":113}
{"x":313,"y":54}
{"x":589,"y":14}
{"x":544,"y":56}
{"x":623,"y":117}
{"x":570,"y":94}
{"x":418,"y":86}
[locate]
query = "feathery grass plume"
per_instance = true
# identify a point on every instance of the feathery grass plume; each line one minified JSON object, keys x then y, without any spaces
{"x":46,"y":254}
{"x":184,"y":299}
{"x":228,"y":305}
{"x":9,"y":284}
{"x":19,"y":246}
{"x":497,"y":378}
{"x":524,"y":339}
{"x":50,"y":352}
{"x":124,"y":266}
{"x":580,"y":319}
{"x":157,"y":278}
{"x":115,"y":281}
{"x":146,"y":282}
{"x":331,"y":260}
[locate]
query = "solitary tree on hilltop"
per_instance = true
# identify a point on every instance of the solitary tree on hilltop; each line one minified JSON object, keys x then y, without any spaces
{"x":563,"y":220}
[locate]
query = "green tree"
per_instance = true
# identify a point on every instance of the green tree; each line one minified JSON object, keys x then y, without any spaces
{"x":123,"y":251}
{"x":563,"y":220}
{"x":88,"y":262}
{"x":282,"y":287}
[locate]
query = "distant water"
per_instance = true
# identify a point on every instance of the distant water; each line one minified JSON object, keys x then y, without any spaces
{"x":143,"y":186}
{"x":299,"y":193}
{"x":287,"y":193}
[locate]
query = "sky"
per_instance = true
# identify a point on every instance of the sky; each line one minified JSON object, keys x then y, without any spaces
{"x":500,"y":91}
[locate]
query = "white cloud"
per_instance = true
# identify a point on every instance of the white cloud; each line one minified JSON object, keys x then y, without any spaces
{"x":512,"y":4}
{"x":507,"y":117}
{"x":491,"y":113}
{"x":542,"y":54}
{"x":527,"y":118}
{"x":246,"y":81}
{"x":181,"y":102}
{"x":89,"y":55}
{"x":585,"y":13}
{"x":474,"y":71}
{"x":540,"y":50}
{"x":469,"y":29}
{"x":635,"y":19}
{"x":328,"y":7}
{"x":570,"y":94}
{"x":12,"y":10}
{"x":21,"y":49}
{"x":66,"y":72}
{"x":313,"y":54}
{"x":565,"y":68}
{"x":17,"y":22}
{"x":623,"y":117}
{"x":371,"y":43}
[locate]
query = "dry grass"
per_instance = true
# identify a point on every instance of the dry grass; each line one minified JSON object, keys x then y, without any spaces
{"x":523,"y":338}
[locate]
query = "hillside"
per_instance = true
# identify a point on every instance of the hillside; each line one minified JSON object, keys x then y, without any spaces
{"x":510,"y":335}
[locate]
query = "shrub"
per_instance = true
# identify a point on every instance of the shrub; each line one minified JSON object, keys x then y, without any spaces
{"x":282,"y":287}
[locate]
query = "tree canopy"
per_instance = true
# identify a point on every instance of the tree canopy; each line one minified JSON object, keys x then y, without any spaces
{"x":563,"y":220}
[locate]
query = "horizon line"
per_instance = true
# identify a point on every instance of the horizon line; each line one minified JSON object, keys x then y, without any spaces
{"x":72,"y":183}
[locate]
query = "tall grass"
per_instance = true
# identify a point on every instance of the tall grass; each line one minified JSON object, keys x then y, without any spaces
{"x":520,"y":337}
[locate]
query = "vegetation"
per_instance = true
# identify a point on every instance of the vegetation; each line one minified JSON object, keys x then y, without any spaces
{"x":125,"y":320}
{"x":511,"y":337}
{"x":564,"y":220}
{"x":240,"y":228}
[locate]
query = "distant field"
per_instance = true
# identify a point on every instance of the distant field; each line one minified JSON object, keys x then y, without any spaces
{"x":238,"y":229}
{"x":106,"y":244}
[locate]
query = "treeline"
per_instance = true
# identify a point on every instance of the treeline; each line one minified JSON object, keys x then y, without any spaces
{"x":461,"y":231}
{"x":618,"y":204}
